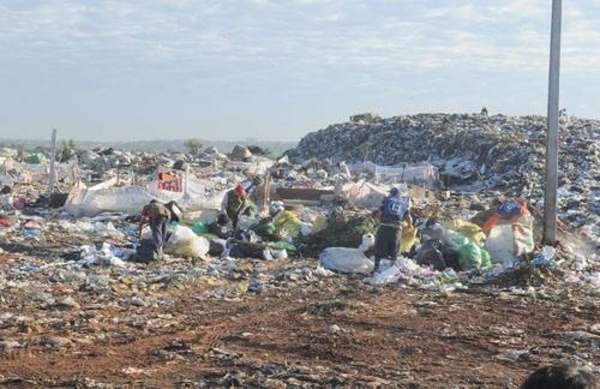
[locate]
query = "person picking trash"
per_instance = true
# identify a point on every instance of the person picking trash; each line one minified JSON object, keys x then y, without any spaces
{"x":158,"y":217}
{"x":509,"y":210}
{"x":392,"y":212}
{"x":234,"y":204}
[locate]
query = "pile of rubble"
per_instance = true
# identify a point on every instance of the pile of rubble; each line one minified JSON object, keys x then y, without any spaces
{"x":475,"y":152}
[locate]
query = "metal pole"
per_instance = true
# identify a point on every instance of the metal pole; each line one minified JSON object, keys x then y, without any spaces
{"x":550,"y":223}
{"x":187,"y":179}
{"x":52,"y":161}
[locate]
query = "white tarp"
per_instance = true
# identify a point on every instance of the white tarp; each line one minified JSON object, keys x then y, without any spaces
{"x":84,"y":201}
{"x":367,"y":195}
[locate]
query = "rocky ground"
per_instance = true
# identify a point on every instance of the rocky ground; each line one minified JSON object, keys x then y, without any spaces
{"x":307,"y":332}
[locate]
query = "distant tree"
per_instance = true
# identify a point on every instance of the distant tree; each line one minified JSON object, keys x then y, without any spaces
{"x":193,"y":145}
{"x":257,"y":150}
{"x":67,"y":149}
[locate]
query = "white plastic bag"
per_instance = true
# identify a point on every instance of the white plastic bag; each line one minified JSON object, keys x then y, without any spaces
{"x":107,"y":255}
{"x":346,"y":260}
{"x":390,"y":275}
{"x":179,"y":233}
{"x":185,"y":243}
{"x":503,"y":244}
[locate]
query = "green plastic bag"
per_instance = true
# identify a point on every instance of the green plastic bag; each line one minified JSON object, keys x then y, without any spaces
{"x":199,"y":228}
{"x":486,"y":259}
{"x":265,"y":230}
{"x":460,"y":240}
{"x":282,"y":245}
{"x":470,"y":256}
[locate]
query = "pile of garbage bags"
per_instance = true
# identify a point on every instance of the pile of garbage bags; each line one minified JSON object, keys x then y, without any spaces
{"x":439,"y":245}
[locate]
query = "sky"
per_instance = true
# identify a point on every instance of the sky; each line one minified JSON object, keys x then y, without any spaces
{"x":279,"y":69}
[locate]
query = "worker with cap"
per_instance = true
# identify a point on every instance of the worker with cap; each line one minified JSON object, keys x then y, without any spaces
{"x":235,"y":203}
{"x":508,"y":210}
{"x":392,"y":212}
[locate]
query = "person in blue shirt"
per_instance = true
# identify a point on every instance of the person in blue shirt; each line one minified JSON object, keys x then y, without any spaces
{"x":392,"y":212}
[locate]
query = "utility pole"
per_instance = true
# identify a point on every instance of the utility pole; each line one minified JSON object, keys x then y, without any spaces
{"x":52,"y":162}
{"x":550,"y":223}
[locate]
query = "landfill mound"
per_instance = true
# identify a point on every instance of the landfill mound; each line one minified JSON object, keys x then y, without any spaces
{"x":476,"y":152}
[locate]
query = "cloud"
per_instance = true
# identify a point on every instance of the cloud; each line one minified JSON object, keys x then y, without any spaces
{"x":465,"y":12}
{"x":258,"y":2}
{"x":350,"y":36}
{"x":330,"y":18}
{"x":521,"y":9}
{"x":312,"y":2}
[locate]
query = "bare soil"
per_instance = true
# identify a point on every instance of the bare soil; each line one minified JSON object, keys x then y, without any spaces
{"x":337,"y":332}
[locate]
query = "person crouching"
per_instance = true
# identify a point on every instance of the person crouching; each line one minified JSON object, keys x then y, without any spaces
{"x":158,"y":217}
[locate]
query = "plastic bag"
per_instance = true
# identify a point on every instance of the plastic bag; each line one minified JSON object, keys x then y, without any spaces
{"x":145,"y":251}
{"x":523,"y":239}
{"x":470,"y":256}
{"x":185,"y":243}
{"x":288,"y":222}
{"x":430,"y":254}
{"x":282,"y":245}
{"x":200,"y":228}
{"x":486,"y":260}
{"x":264,"y":229}
{"x":432,"y":229}
{"x":451,"y":255}
{"x":507,"y":240}
{"x":389,"y":275}
{"x":107,"y":255}
{"x":409,"y":237}
{"x":460,"y":240}
{"x":248,"y":236}
{"x":319,"y":224}
{"x":471,"y":231}
{"x":196,"y":247}
{"x":180,"y":233}
{"x":306,"y":229}
{"x":345,"y":260}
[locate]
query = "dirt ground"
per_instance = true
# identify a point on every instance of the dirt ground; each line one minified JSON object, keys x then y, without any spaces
{"x":333,"y":333}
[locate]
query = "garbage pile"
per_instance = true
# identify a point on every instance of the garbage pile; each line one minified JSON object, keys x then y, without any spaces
{"x":318,"y":217}
{"x":477,"y":152}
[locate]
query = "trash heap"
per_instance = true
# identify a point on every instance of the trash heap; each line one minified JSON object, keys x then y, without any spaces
{"x":74,"y":273}
{"x":477,"y":152}
{"x":314,"y":208}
